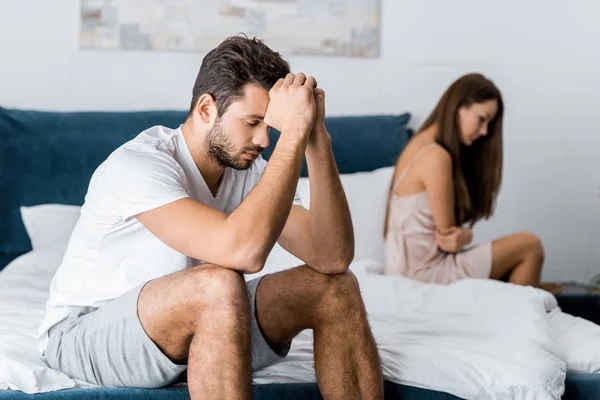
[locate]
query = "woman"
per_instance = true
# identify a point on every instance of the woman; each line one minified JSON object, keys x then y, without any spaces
{"x":446,"y":178}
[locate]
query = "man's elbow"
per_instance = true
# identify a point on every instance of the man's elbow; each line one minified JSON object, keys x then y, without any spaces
{"x":338,"y":268}
{"x":246,"y":252}
{"x":337,"y":265}
{"x":250,"y":261}
{"x":249,"y":264}
{"x":251,"y":268}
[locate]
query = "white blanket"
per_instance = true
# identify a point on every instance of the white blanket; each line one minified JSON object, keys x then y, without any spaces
{"x":475,"y":339}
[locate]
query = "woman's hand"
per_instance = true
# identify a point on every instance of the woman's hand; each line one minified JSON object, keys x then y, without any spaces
{"x":453,"y":239}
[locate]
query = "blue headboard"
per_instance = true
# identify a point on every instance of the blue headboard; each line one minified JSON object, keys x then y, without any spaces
{"x":49,"y":157}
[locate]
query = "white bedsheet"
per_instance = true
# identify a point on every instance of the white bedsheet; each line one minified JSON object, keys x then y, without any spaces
{"x":475,"y":339}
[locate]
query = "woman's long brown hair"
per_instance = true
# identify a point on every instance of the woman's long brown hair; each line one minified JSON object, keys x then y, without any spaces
{"x":476,"y":169}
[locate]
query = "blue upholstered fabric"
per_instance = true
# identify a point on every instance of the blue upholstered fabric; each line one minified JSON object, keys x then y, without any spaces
{"x":5,"y":258}
{"x":578,"y":387}
{"x":585,"y":306}
{"x":297,"y":391}
{"x":582,"y":387}
{"x":49,"y":157}
{"x":363,"y":143}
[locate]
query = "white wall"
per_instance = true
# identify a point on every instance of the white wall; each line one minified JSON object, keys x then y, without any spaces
{"x":543,"y":54}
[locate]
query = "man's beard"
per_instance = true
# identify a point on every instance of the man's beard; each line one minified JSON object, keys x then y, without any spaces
{"x":220,"y":149}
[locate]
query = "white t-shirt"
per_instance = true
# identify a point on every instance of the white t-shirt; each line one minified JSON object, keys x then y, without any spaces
{"x":110,"y":251}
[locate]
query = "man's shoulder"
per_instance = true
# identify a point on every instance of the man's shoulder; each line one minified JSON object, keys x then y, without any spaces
{"x":153,"y":144}
{"x":151,"y":153}
{"x":156,"y":138}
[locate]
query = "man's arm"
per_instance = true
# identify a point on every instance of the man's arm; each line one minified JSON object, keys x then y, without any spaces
{"x":243,"y":240}
{"x":323,"y":237}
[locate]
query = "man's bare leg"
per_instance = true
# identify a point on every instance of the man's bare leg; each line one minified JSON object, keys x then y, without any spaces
{"x":200,"y":317}
{"x":346,"y":360}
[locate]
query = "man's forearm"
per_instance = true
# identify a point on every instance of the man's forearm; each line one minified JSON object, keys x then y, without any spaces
{"x":261,"y":217}
{"x":331,"y":228}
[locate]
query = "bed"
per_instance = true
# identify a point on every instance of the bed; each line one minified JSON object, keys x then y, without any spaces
{"x":48,"y":157}
{"x":578,"y":387}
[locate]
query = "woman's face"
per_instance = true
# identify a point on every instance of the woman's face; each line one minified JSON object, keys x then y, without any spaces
{"x":474,"y":120}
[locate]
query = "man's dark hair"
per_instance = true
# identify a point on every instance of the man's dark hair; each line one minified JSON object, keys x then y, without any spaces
{"x":236,"y":62}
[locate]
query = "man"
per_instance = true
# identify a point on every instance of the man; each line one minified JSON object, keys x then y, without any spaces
{"x":132,"y":305}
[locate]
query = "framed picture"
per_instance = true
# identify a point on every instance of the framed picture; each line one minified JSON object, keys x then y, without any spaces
{"x":347,"y":28}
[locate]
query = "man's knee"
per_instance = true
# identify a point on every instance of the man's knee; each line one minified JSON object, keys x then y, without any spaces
{"x":340,"y":292}
{"x":214,"y":286}
{"x":343,"y":285}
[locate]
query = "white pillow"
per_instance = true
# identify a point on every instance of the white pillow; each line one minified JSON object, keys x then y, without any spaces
{"x":367,"y":197}
{"x":48,"y":224}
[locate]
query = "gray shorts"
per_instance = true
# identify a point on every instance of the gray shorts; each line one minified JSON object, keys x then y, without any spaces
{"x":108,"y":346}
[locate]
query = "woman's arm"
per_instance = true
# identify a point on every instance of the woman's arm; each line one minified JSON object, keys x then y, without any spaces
{"x":436,"y":173}
{"x":435,"y":170}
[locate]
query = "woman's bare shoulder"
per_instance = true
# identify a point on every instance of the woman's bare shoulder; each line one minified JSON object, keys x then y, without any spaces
{"x":434,"y":156}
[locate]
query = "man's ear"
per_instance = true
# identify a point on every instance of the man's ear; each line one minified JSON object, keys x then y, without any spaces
{"x":206,"y":107}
